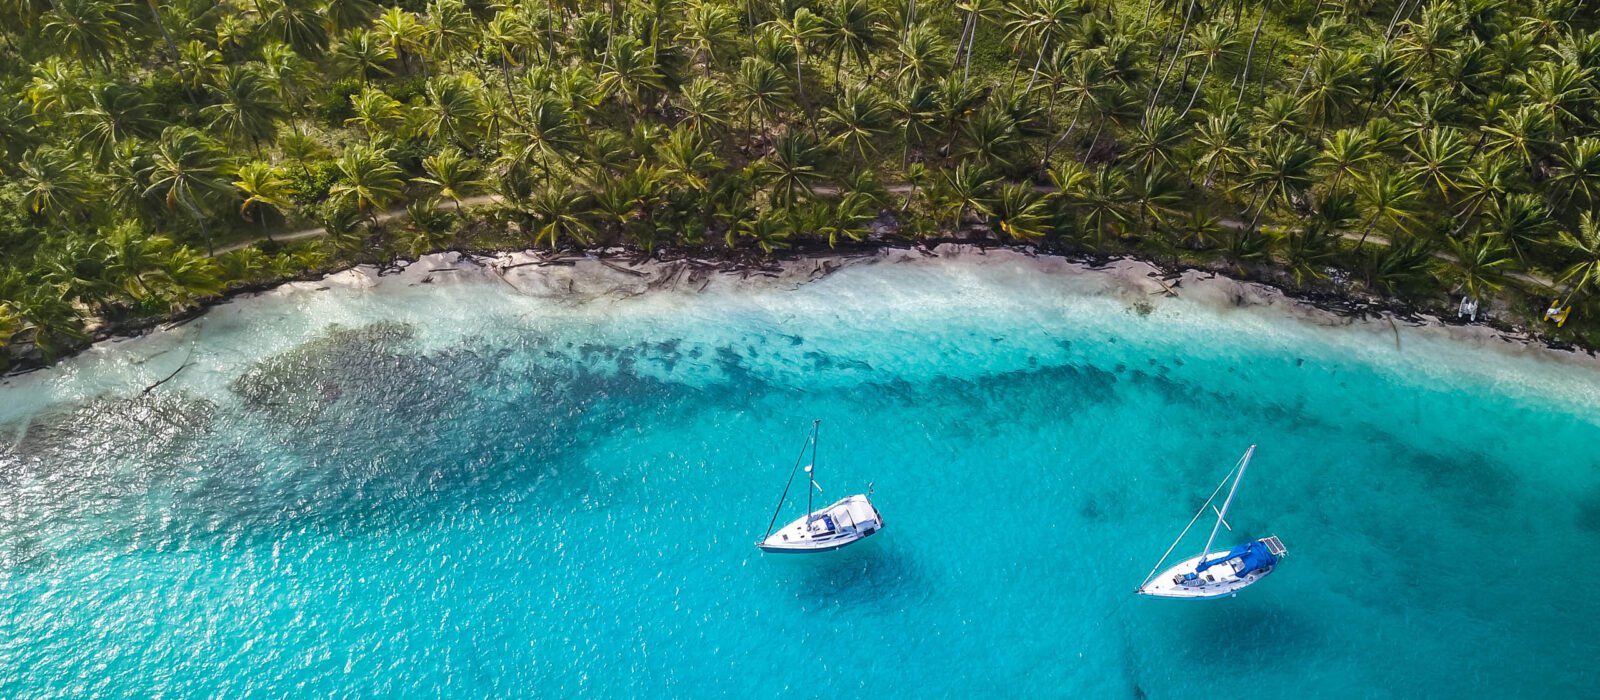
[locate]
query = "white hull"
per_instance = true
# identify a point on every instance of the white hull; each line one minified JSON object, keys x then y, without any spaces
{"x":847,"y":521}
{"x":1218,"y":581}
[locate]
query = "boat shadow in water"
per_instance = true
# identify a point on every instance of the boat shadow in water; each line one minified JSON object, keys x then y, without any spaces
{"x":863,"y":574}
{"x":1255,"y":630}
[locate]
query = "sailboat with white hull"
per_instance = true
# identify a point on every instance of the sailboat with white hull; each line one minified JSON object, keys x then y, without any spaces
{"x":1216,"y":574}
{"x":845,"y":522}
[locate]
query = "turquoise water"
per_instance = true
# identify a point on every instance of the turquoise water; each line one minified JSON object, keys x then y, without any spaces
{"x":455,"y":490}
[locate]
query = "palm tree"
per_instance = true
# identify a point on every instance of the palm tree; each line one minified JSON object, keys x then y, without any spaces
{"x":1280,"y":171}
{"x":762,"y":89}
{"x":1347,"y":153}
{"x":266,"y":191}
{"x":115,"y":112}
{"x":91,"y":30}
{"x":792,"y":167}
{"x":1520,"y":220}
{"x":992,"y":137}
{"x":365,"y":53}
{"x":688,"y":158}
{"x":1154,"y":197}
{"x":560,"y":214}
{"x":1558,"y":90}
{"x":1439,"y":158}
{"x":859,"y":117}
{"x":297,"y":23}
{"x":367,"y":181}
{"x":851,"y":29}
{"x":631,"y":73}
{"x":375,"y":113}
{"x":186,"y":172}
{"x":1020,"y":213}
{"x":770,"y":231}
{"x":1401,"y":264}
{"x":247,"y":107}
{"x":1477,"y":263}
{"x":924,"y":53}
{"x":1153,"y":142}
{"x":704,"y":105}
{"x":52,"y":188}
{"x":915,"y":108}
{"x":1220,"y":146}
{"x":47,"y":319}
{"x":967,"y":187}
{"x":1102,"y":199}
{"x":1583,"y":246}
{"x":710,"y":32}
{"x":1390,"y":197}
{"x":800,"y":29}
{"x":456,"y":108}
{"x":1212,"y":41}
{"x":453,"y":173}
{"x":1578,"y":169}
{"x":1520,"y":133}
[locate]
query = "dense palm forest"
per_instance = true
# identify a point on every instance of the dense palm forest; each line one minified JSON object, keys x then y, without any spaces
{"x":1423,"y":148}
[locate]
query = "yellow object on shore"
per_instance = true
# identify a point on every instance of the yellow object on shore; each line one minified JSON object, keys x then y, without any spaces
{"x":1557,"y":312}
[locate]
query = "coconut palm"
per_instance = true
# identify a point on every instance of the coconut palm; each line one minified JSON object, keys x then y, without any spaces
{"x":1521,"y":134}
{"x":296,"y":23}
{"x":560,"y":214}
{"x":52,"y":188}
{"x":793,"y":167}
{"x":632,"y":72}
{"x":365,"y":53}
{"x":853,"y":30}
{"x":1280,"y":172}
{"x":1521,"y":221}
{"x":367,"y":181}
{"x":1437,"y":161}
{"x":90,"y":30}
{"x":1477,"y":263}
{"x":185,"y":172}
{"x":967,"y":188}
{"x":1582,"y":246}
{"x":710,"y":32}
{"x":404,"y":33}
{"x":115,"y":112}
{"x":1578,"y":170}
{"x":455,"y":108}
{"x":1391,"y":198}
{"x":924,"y":53}
{"x":1102,"y":199}
{"x":1020,"y":213}
{"x":762,"y":90}
{"x":266,"y":190}
{"x":688,"y":158}
{"x":860,"y":116}
{"x":247,"y":108}
{"x":452,"y":173}
{"x":375,"y":113}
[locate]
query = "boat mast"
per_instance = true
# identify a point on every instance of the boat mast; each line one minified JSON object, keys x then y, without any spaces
{"x":798,"y":460}
{"x":1243,"y":464}
{"x":811,"y":470}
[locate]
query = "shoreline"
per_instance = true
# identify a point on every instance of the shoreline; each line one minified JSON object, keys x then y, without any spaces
{"x":621,"y":273}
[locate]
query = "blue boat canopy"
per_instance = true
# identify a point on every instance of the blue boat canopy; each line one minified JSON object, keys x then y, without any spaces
{"x":1252,"y":556}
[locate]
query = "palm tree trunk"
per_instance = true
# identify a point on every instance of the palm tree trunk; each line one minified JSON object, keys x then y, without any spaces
{"x":1176,"y":52}
{"x":1202,"y":83}
{"x":1244,"y":78}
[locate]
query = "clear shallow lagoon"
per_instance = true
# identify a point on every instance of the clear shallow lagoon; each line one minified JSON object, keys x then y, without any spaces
{"x":455,"y":490}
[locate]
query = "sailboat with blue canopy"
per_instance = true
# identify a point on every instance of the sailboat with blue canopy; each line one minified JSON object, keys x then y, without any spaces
{"x":1216,"y":574}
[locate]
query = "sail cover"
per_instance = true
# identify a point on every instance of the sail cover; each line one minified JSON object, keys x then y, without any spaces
{"x":1252,"y":556}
